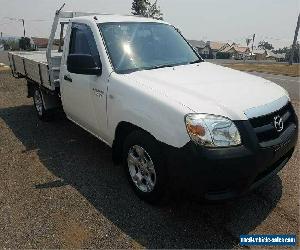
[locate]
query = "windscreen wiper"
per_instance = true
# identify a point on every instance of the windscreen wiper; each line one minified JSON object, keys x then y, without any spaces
{"x":197,"y":61}
{"x":164,"y":66}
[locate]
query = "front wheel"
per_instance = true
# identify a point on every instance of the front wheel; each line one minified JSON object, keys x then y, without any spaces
{"x":144,"y":166}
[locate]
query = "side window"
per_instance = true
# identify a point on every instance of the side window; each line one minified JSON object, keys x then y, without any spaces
{"x":82,"y":42}
{"x":79,"y":43}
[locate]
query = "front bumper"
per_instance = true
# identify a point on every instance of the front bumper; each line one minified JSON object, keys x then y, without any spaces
{"x":225,"y":173}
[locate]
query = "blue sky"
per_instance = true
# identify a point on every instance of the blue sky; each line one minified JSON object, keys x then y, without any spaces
{"x":216,"y":20}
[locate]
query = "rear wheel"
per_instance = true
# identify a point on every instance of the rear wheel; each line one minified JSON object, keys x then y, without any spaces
{"x":39,"y":105}
{"x":144,"y":166}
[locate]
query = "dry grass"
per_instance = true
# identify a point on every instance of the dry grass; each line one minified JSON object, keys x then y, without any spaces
{"x":276,"y":69}
{"x":4,"y":69}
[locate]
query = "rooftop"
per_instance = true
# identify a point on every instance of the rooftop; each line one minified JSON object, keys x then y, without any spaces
{"x":40,"y":42}
{"x":198,"y":44}
{"x":258,"y":51}
{"x":116,"y":18}
{"x":217,"y":45}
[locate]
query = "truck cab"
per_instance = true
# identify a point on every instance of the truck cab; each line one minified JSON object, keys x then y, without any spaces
{"x":171,"y":118}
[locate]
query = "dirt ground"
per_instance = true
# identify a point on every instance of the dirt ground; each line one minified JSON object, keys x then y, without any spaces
{"x":60,"y":189}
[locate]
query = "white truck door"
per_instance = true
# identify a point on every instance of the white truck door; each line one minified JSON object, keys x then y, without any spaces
{"x":78,"y":90}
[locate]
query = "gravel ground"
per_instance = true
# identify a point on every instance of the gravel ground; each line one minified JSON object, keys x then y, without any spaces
{"x":60,"y":189}
{"x":4,"y":57}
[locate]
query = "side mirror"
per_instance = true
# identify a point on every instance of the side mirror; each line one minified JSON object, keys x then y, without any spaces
{"x":83,"y":64}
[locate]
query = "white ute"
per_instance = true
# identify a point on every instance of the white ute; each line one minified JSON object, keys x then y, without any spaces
{"x":171,"y":118}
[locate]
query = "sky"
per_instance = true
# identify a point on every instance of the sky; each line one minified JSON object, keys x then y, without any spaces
{"x":209,"y":20}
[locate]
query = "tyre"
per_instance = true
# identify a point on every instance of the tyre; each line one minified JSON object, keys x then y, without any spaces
{"x":39,"y":105}
{"x":144,"y":166}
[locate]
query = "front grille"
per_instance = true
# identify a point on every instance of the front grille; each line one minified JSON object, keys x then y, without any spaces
{"x":264,"y":125}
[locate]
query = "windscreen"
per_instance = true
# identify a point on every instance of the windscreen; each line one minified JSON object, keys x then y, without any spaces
{"x":140,"y":46}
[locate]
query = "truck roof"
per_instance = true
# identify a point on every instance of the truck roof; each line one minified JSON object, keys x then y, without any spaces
{"x":116,"y":18}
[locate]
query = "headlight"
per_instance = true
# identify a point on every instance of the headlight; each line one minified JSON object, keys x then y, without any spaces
{"x":212,"y":131}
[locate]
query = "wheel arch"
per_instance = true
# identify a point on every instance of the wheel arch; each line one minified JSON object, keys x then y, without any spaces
{"x":123,"y":129}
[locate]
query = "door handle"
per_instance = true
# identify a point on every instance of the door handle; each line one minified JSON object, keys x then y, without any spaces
{"x":68,"y":78}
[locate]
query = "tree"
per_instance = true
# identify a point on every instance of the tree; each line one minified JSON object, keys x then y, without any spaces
{"x":24,"y":43}
{"x":265,"y":45}
{"x":140,"y":7}
{"x":222,"y":55}
{"x":283,"y":50}
{"x":11,"y":45}
{"x":146,"y":8}
{"x":288,"y":52}
{"x":296,"y":54}
{"x":154,"y":11}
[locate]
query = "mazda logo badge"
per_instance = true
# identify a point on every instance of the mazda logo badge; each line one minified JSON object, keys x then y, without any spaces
{"x":278,"y":123}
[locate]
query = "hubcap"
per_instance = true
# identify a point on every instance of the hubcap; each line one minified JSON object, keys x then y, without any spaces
{"x":141,"y":169}
{"x":38,"y":102}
